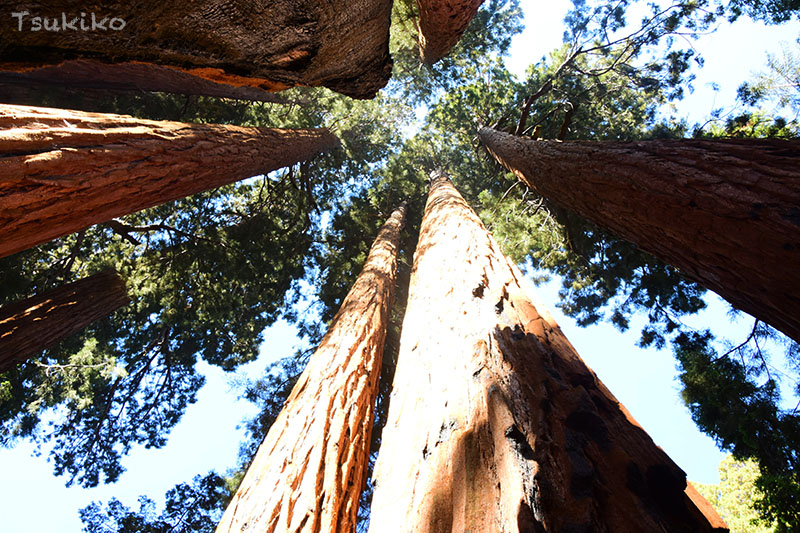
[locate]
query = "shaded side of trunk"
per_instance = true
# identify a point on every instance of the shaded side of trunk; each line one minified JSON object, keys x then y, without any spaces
{"x":270,"y":44}
{"x":309,"y":472}
{"x":495,"y":423}
{"x":36,"y":323}
{"x":62,"y":171}
{"x":88,"y":74}
{"x":725,"y":212}
{"x":441,"y":24}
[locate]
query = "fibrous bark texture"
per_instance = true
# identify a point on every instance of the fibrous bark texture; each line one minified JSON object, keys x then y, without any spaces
{"x":88,"y":74}
{"x":309,"y":472}
{"x":725,"y":212}
{"x":61,"y":171}
{"x":441,"y":24}
{"x":271,"y":44}
{"x":31,"y":325}
{"x":495,"y":423}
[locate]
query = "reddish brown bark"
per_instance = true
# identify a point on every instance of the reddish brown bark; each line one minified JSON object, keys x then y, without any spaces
{"x":495,"y":423}
{"x":270,"y":44}
{"x":92,"y":75}
{"x":62,"y":171}
{"x":725,"y":212}
{"x":441,"y":24}
{"x":36,"y":323}
{"x":309,"y":472}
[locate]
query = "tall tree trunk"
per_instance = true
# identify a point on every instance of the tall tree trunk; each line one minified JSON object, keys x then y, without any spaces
{"x":61,"y":171}
{"x":441,"y":24}
{"x":88,"y":74}
{"x":31,"y":325}
{"x":309,"y":472}
{"x":495,"y":423}
{"x":725,"y":212}
{"x":271,"y":44}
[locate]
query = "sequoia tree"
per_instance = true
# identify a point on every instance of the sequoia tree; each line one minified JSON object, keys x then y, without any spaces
{"x":30,"y":326}
{"x":63,"y":171}
{"x":267,"y":44}
{"x":441,"y":24}
{"x":725,"y":212}
{"x":309,"y":472}
{"x":495,"y":423}
{"x":83,"y":74}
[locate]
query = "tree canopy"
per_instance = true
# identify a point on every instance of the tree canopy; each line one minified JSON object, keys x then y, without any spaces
{"x":207,"y":274}
{"x":734,"y":496}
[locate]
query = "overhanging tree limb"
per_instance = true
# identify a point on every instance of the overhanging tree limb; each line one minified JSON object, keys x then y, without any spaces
{"x":62,"y":171}
{"x":309,"y":472}
{"x":725,"y":212}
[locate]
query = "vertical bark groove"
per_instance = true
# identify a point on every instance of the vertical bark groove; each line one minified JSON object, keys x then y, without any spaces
{"x":62,"y":171}
{"x":309,"y":472}
{"x":534,"y":441}
{"x":725,"y":212}
{"x":36,"y":323}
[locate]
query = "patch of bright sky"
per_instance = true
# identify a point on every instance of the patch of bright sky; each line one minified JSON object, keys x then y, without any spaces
{"x":208,"y":436}
{"x":735,"y":53}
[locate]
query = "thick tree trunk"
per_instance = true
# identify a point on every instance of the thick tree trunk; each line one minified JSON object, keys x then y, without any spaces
{"x":725,"y":212}
{"x":495,"y":423}
{"x":441,"y":24}
{"x":309,"y":472}
{"x":61,"y":171}
{"x":31,"y":325}
{"x":271,"y":44}
{"x":87,"y":74}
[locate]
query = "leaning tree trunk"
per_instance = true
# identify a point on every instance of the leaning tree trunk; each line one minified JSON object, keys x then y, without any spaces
{"x":61,"y":171}
{"x":725,"y":212}
{"x":495,"y":423}
{"x":309,"y":472}
{"x":31,"y":325}
{"x":270,"y":44}
{"x":441,"y":24}
{"x":85,"y":74}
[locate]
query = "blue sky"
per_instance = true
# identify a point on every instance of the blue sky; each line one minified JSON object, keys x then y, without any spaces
{"x":643,"y":380}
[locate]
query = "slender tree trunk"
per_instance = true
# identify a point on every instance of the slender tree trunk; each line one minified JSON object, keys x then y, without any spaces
{"x":36,"y":323}
{"x":61,"y":171}
{"x":270,"y":44}
{"x":441,"y":24}
{"x":495,"y":423}
{"x":309,"y":472}
{"x":725,"y":212}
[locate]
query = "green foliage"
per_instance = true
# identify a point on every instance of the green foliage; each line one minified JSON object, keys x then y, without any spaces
{"x":747,"y":124}
{"x":206,"y":275}
{"x":780,"y":83}
{"x":735,"y":495}
{"x":585,"y":93}
{"x":190,"y":507}
{"x":524,"y":226}
{"x":489,"y":33}
{"x":202,"y":284}
{"x":737,"y":402}
{"x":769,"y":11}
{"x":603,"y":277}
